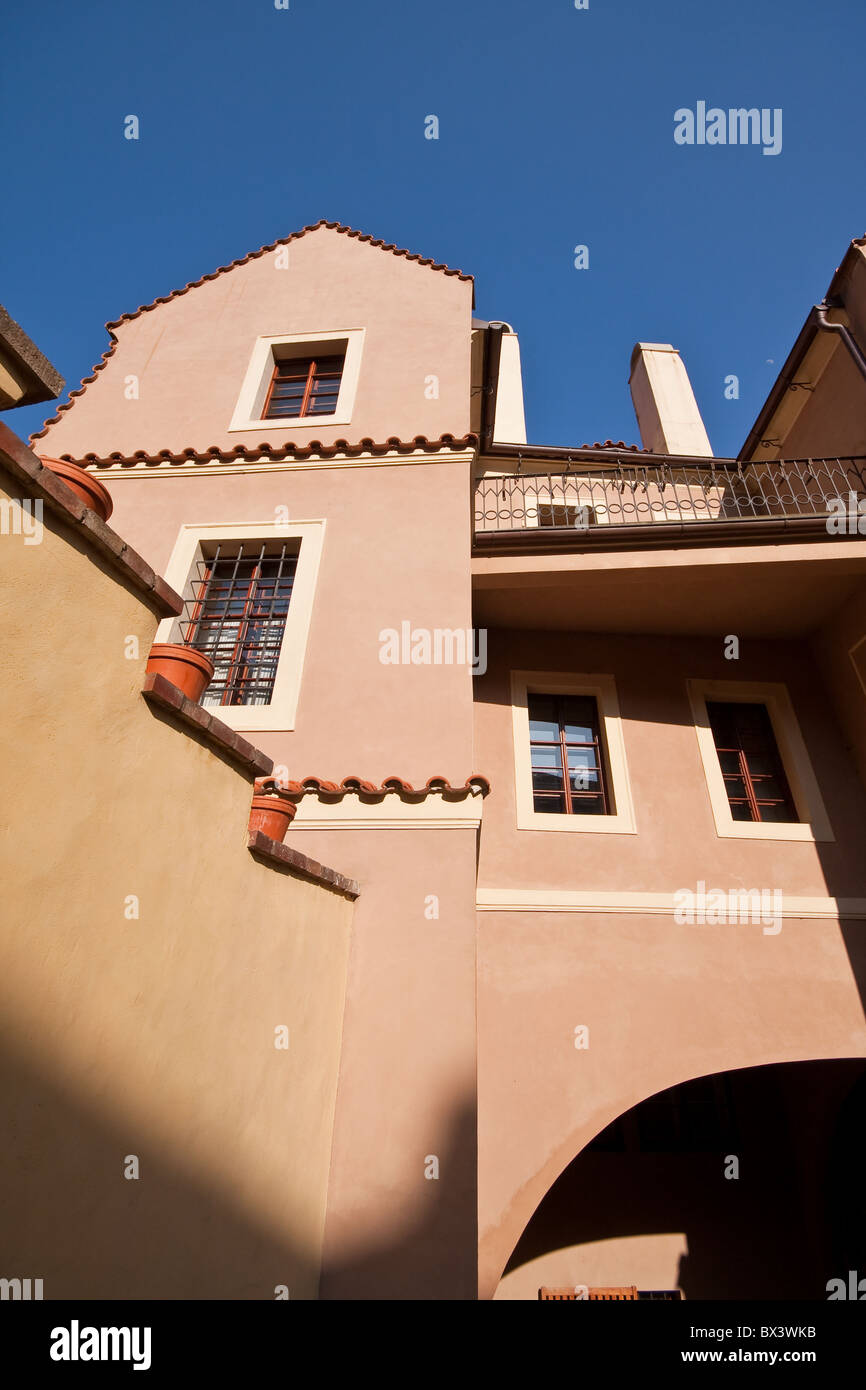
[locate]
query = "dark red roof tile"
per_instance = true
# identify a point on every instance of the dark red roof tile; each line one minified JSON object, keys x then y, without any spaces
{"x":222,"y":270}
{"x":277,"y":452}
{"x":320,"y":787}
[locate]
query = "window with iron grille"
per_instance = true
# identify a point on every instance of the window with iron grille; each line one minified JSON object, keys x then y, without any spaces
{"x":568,"y":767}
{"x":302,"y":386}
{"x":570,"y":514}
{"x":751,"y":765}
{"x":237,"y":617}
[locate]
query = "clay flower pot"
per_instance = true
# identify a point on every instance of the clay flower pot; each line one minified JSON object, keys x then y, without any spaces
{"x":84,"y":485}
{"x":271,"y":812}
{"x":186,"y":668}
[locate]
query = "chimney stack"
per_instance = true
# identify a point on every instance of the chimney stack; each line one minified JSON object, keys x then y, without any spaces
{"x":664,"y":402}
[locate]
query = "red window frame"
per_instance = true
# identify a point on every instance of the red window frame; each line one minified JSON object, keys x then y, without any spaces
{"x":313,"y":372}
{"x":564,"y":744}
{"x":249,"y":604}
{"x":743,"y":734}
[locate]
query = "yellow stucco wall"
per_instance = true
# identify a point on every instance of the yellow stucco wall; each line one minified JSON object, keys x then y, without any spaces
{"x":151,"y":1036}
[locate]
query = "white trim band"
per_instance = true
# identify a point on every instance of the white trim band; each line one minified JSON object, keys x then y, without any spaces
{"x":645,"y":904}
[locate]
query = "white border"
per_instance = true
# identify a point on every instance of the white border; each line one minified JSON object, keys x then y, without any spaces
{"x":603,"y":688}
{"x":851,"y":651}
{"x":281,"y":713}
{"x":251,"y":401}
{"x":644,"y":904}
{"x":390,"y":812}
{"x":814,"y":824}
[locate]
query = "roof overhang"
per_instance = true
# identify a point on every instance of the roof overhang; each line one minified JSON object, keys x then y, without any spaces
{"x":26,"y":376}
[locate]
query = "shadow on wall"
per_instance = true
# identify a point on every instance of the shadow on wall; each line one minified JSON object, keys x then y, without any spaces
{"x":70,"y":1217}
{"x":434,"y":1253}
{"x":793,"y":1219}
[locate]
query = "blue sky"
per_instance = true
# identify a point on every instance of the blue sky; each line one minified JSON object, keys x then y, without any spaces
{"x":556,"y":129}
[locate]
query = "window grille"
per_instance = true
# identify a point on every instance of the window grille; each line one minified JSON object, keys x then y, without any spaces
{"x":237,"y":617}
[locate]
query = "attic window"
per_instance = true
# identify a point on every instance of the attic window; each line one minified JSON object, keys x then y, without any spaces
{"x":303,"y":386}
{"x":300,"y":381}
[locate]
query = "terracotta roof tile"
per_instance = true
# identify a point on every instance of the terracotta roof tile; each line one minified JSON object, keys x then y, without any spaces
{"x":222,"y":270}
{"x":320,"y":787}
{"x":617,"y":444}
{"x":277,"y":452}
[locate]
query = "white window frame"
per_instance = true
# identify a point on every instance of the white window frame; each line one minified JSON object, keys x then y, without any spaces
{"x":603,"y":689}
{"x":814,"y":824}
{"x":181,"y":574}
{"x":859,"y":659}
{"x":259,"y":374}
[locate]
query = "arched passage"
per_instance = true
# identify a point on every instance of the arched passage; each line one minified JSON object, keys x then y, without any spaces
{"x":743,"y":1184}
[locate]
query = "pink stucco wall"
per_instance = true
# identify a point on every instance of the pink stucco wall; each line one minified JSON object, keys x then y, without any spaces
{"x":191,"y":354}
{"x":663,"y":1002}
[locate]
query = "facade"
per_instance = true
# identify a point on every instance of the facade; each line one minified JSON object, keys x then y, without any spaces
{"x":586,"y":726}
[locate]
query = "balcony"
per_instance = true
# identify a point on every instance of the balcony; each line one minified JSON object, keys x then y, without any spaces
{"x":706,"y":501}
{"x":667,"y":546}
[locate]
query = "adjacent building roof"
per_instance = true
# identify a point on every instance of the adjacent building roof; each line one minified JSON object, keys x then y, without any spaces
{"x":26,"y":376}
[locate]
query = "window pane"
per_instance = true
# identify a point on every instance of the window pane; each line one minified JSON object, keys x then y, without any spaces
{"x":781,"y":812}
{"x":570,"y":720}
{"x":237,"y":618}
{"x":735,"y":787}
{"x":583,"y":772}
{"x":543,"y":723}
{"x":547,"y":779}
{"x":549,"y":804}
{"x":744,"y":739}
{"x":769,"y":789}
{"x":316,"y":380}
{"x":579,"y":717}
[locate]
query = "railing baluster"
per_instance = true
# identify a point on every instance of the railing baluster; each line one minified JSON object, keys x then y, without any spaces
{"x":658,"y":493}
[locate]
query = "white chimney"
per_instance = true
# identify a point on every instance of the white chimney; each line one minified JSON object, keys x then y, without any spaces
{"x":664,"y":402}
{"x":509,"y":426}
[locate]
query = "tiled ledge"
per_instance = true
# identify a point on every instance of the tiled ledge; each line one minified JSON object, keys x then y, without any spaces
{"x":160,"y":691}
{"x":281,"y":854}
{"x":24,"y":465}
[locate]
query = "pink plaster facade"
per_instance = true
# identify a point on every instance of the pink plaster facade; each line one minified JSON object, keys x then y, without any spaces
{"x":458,"y":1035}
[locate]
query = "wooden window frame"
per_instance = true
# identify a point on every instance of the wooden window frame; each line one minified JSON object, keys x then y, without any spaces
{"x":744,"y":773}
{"x":256,"y":388}
{"x":814,"y":823}
{"x":564,"y":746}
{"x":313,"y":375}
{"x":242,"y":676}
{"x":603,"y":689}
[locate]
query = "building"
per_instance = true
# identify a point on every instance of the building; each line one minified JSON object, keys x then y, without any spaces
{"x":604,"y":1030}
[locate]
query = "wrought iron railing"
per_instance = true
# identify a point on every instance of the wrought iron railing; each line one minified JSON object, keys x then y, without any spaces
{"x":593,"y":498}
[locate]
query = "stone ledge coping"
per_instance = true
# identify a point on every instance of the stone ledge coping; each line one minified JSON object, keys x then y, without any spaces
{"x":161,"y":692}
{"x":24,"y":465}
{"x":281,"y":854}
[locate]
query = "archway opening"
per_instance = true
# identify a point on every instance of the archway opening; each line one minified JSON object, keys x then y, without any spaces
{"x":743,"y":1184}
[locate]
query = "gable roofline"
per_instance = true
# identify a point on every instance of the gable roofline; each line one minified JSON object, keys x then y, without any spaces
{"x":223,"y":270}
{"x":284,"y":241}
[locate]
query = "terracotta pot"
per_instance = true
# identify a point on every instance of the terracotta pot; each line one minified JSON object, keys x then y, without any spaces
{"x":186,"y":668}
{"x":272,"y":815}
{"x":84,"y":485}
